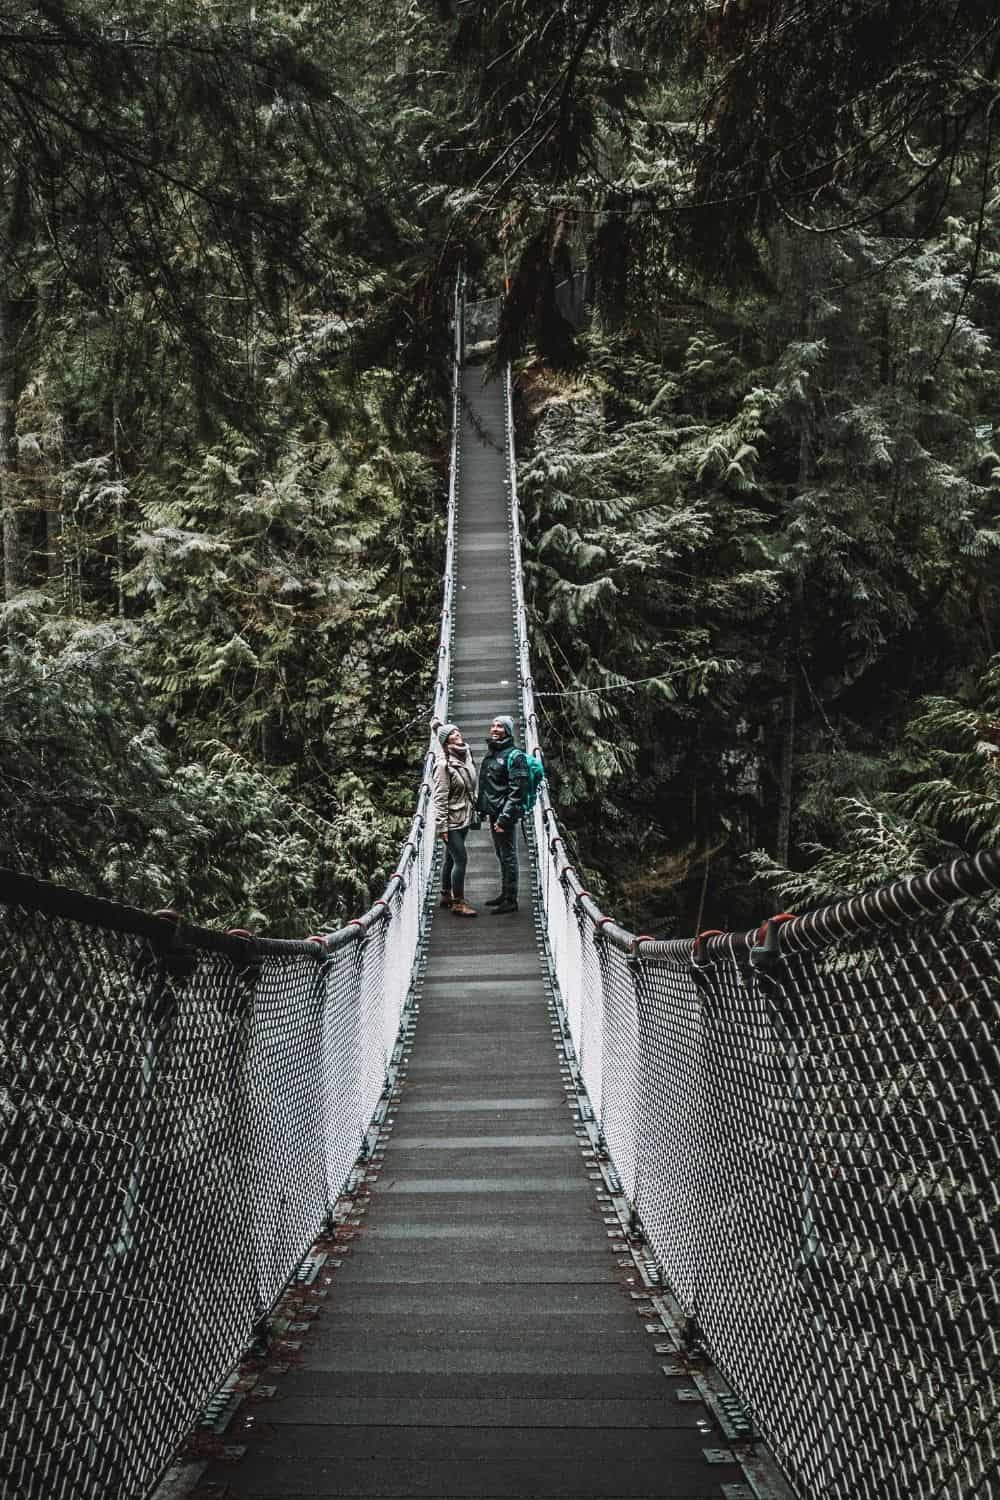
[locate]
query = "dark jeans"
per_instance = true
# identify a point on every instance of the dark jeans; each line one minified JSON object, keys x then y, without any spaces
{"x":455,"y":861}
{"x":505,"y":848}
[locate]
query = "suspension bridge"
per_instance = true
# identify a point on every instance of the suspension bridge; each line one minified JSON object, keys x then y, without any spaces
{"x":523,"y":1206}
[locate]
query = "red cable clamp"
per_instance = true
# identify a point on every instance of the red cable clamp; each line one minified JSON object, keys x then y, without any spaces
{"x":779,"y":916}
{"x":765,"y":953}
{"x":697,"y":945}
{"x":633,"y":955}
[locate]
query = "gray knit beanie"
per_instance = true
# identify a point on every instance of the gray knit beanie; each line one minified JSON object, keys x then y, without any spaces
{"x":444,"y":731}
{"x":508,"y":721}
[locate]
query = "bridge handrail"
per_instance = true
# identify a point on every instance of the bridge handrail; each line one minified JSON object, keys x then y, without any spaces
{"x":872,"y":911}
{"x":33,"y":894}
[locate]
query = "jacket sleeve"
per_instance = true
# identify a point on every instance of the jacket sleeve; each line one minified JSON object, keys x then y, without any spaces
{"x":441,"y":795}
{"x":517,"y":785}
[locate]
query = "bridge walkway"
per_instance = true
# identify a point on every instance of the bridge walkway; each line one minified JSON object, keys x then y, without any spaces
{"x":481,"y":1338}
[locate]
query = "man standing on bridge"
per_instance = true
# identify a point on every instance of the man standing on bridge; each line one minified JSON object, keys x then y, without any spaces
{"x":503,"y":781}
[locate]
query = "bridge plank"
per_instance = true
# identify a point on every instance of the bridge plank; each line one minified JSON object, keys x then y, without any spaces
{"x":388,"y":1411}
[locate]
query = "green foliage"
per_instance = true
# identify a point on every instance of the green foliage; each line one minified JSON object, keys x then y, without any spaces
{"x":93,"y":796}
{"x":938,"y":799}
{"x":284,"y":604}
{"x":220,"y":454}
{"x":731,"y":517}
{"x":278,"y":634}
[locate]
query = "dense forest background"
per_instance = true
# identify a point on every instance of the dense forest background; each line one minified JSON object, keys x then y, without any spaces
{"x":759,"y":479}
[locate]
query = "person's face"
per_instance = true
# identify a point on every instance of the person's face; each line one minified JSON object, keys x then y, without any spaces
{"x":498,"y":731}
{"x":455,"y":738}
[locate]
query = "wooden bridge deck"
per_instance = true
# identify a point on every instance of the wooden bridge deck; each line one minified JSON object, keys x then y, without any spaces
{"x":481,"y":1338}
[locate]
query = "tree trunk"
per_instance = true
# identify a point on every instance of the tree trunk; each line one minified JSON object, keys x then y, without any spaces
{"x":790,"y":698}
{"x":884,"y":349}
{"x":15,"y":315}
{"x":789,"y":714}
{"x":119,"y":515}
{"x":984,"y":618}
{"x":12,"y":560}
{"x":53,"y":548}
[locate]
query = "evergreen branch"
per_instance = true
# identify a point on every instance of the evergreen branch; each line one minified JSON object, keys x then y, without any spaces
{"x":591,"y":24}
{"x":978,"y":245}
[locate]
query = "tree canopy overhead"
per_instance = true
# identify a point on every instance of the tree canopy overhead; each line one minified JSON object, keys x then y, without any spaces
{"x":623,"y":129}
{"x":760,"y":479}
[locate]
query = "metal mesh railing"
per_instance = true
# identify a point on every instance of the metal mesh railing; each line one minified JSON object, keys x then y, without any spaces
{"x":806,"y":1122}
{"x":179,"y":1112}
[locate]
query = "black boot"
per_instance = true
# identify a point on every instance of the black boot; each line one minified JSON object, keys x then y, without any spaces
{"x":495,"y":900}
{"x":506,"y":904}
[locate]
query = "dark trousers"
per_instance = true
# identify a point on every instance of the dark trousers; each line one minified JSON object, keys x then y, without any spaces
{"x":455,"y":861}
{"x":505,"y":848}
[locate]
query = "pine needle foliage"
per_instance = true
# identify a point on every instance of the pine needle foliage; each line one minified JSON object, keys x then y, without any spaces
{"x":736,"y":518}
{"x":223,"y":421}
{"x":81,"y":759}
{"x":938,"y":800}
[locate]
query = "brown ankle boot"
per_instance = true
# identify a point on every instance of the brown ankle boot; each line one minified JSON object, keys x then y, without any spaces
{"x":447,"y":900}
{"x":463,"y":909}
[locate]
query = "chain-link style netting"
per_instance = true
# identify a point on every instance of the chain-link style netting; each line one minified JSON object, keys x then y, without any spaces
{"x":807,"y":1127}
{"x":179,"y":1112}
{"x":163,"y":1171}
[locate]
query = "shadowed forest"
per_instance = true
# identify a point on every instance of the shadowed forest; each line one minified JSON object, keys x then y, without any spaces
{"x":759,"y":476}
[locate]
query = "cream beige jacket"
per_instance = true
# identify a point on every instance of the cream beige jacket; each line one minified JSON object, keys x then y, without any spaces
{"x":454,"y":791}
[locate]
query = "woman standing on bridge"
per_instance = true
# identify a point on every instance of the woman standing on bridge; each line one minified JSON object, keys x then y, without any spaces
{"x":454,"y":790}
